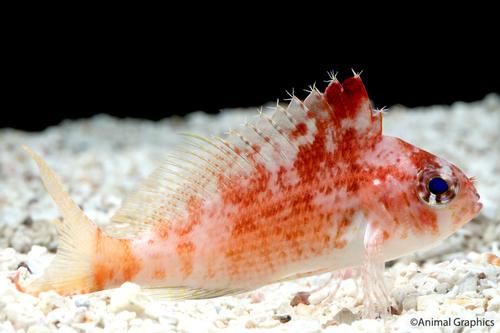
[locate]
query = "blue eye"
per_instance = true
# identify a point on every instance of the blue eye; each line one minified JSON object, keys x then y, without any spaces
{"x":438,"y":186}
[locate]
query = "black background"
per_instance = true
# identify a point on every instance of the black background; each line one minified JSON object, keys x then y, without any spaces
{"x":51,"y":74}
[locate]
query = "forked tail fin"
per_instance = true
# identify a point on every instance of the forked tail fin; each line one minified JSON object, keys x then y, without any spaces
{"x":71,"y":270}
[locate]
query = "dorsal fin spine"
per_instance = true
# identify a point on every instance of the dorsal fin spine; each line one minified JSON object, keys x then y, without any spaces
{"x":237,"y":157}
{"x":205,"y":166}
{"x":226,"y":151}
{"x":198,"y":163}
{"x":225,"y":148}
{"x":261,"y":135}
{"x":276,"y":127}
{"x":187,"y":184}
{"x":210,"y":161}
{"x":252,"y":128}
{"x":248,"y":144}
{"x":287,"y":114}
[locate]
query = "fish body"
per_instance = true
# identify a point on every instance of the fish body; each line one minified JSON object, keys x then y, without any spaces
{"x":313,"y":188}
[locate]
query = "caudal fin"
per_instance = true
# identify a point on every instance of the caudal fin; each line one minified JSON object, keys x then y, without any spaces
{"x":70,"y":272}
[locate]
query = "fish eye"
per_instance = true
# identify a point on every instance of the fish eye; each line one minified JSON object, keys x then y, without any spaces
{"x":436,"y":187}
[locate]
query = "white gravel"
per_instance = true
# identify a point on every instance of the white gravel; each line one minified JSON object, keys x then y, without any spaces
{"x":101,"y":159}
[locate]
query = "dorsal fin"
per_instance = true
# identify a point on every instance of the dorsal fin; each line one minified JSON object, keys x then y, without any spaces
{"x":351,"y":109}
{"x":266,"y":141}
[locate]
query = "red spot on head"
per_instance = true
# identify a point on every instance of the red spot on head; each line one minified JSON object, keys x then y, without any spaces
{"x":419,"y":157}
{"x":427,"y":220}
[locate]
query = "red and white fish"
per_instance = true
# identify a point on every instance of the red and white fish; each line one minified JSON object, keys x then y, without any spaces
{"x":313,"y":188}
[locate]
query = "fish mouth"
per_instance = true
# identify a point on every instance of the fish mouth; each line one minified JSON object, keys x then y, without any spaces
{"x":477,"y":207}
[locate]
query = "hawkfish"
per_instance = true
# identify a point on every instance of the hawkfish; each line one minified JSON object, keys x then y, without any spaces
{"x":313,"y":188}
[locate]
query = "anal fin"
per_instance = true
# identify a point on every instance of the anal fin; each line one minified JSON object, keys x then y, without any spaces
{"x":187,"y":293}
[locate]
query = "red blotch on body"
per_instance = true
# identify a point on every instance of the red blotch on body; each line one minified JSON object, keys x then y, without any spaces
{"x":193,"y":218}
{"x":299,"y":130}
{"x":163,"y":230}
{"x":159,"y":274}
{"x":185,"y":251}
{"x":210,"y":273}
{"x":115,"y":262}
{"x":255,"y":150}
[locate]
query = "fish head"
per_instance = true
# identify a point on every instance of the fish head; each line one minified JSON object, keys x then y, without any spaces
{"x":422,"y":198}
{"x":441,"y":187}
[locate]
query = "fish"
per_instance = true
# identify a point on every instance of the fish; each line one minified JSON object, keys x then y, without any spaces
{"x":312,"y":188}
